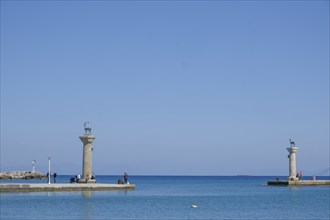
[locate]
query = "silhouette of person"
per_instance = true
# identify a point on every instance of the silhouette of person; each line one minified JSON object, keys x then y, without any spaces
{"x":55,"y":175}
{"x":125,"y":177}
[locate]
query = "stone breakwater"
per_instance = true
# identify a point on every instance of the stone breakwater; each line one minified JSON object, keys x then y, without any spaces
{"x":299,"y":183}
{"x":21,"y":175}
{"x":62,"y":187}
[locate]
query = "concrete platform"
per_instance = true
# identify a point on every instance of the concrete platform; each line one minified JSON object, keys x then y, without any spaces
{"x":299,"y":183}
{"x":59,"y":187}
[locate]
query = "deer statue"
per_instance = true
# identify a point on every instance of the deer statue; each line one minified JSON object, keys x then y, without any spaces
{"x":292,"y":143}
{"x":88,"y":128}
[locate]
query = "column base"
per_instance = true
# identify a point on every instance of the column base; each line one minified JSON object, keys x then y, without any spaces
{"x":86,"y":181}
{"x":293,"y":178}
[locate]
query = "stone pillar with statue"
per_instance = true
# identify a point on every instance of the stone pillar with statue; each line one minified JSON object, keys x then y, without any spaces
{"x":292,"y":161}
{"x":87,"y":168}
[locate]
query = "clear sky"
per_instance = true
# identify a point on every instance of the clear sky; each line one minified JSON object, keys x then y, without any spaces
{"x":170,"y":87}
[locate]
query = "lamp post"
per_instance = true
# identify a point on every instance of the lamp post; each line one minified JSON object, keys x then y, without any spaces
{"x":33,"y":166}
{"x":49,"y":168}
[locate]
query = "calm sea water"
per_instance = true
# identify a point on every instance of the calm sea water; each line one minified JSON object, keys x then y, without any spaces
{"x":171,"y":197}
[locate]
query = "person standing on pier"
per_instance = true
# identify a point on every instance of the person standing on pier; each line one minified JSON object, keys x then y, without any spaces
{"x":48,"y":176}
{"x":126,"y":178}
{"x":300,"y":175}
{"x":55,"y":175}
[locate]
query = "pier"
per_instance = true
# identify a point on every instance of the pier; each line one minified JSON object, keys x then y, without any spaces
{"x":62,"y":187}
{"x":295,"y":179}
{"x":299,"y":183}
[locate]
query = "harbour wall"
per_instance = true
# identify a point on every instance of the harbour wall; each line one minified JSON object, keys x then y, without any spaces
{"x":299,"y":183}
{"x":44,"y":187}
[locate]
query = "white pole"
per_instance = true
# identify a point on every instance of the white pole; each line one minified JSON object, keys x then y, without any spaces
{"x":33,"y":166}
{"x":49,"y":169}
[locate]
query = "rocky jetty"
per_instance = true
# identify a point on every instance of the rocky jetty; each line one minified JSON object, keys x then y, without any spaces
{"x":22,"y":175}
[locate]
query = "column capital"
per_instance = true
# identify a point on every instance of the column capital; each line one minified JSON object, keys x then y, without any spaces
{"x":87,"y":139}
{"x":292,"y":149}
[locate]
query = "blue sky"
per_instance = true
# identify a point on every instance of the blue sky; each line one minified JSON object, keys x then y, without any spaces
{"x":170,"y":87}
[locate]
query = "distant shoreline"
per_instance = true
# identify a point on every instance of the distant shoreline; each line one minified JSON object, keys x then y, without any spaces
{"x":17,"y":175}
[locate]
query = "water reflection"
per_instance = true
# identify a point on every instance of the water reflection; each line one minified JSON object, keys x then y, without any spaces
{"x":50,"y":193}
{"x":87,"y":194}
{"x":293,"y":188}
{"x":87,"y":212}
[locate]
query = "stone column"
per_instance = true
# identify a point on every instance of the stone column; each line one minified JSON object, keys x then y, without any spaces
{"x":87,"y":170}
{"x":292,"y":162}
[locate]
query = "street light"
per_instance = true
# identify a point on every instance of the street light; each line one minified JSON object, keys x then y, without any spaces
{"x":33,"y":166}
{"x":49,"y":168}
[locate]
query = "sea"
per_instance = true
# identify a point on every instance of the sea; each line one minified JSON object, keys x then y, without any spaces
{"x":172,"y":197}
